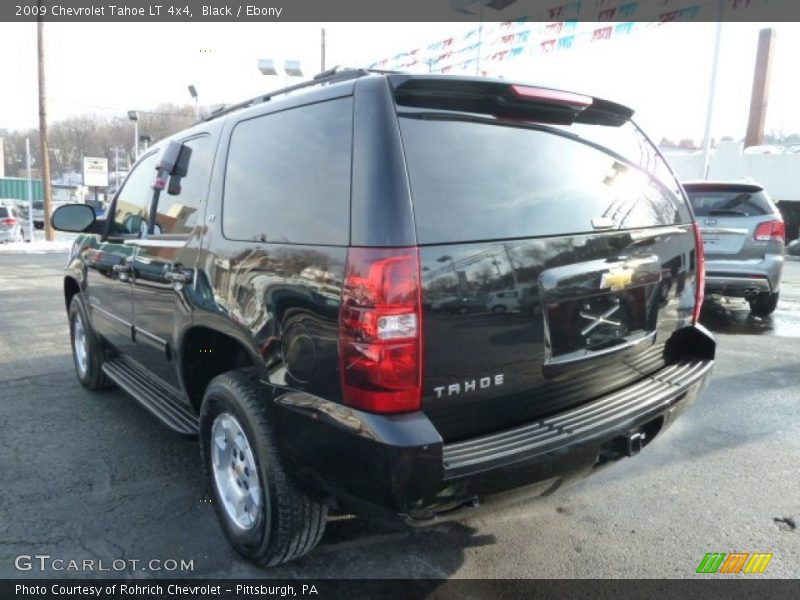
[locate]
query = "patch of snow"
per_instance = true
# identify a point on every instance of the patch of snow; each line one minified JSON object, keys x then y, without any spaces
{"x":36,"y":247}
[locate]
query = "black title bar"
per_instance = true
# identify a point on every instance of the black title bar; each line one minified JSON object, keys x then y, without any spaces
{"x":398,"y":10}
{"x":711,"y":586}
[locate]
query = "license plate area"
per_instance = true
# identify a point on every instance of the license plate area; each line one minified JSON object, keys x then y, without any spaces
{"x":598,"y":308}
{"x":596,"y":323}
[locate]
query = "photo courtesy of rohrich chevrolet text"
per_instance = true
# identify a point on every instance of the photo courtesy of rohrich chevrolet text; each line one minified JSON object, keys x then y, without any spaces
{"x":375,"y":299}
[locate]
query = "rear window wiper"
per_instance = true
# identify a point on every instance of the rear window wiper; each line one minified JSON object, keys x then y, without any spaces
{"x":727,"y":211}
{"x":736,"y":200}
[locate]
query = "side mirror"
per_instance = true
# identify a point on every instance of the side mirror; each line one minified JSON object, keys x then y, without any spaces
{"x":179,"y":171}
{"x":76,"y":218}
{"x":174,"y":160}
{"x":169,"y":158}
{"x":174,"y":165}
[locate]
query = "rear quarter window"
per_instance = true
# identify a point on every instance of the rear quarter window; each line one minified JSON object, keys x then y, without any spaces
{"x":287,"y":177}
{"x":476,"y":179}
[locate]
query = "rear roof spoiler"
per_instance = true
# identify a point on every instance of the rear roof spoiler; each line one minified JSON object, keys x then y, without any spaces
{"x":721,"y":186}
{"x":505,"y":99}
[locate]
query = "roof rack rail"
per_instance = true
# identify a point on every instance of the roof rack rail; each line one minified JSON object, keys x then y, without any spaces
{"x":333,"y":75}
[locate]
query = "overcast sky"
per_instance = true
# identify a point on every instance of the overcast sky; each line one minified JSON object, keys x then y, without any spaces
{"x":662,"y":72}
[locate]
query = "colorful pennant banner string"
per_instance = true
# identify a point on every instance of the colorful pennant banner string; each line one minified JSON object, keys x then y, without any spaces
{"x":562,"y":31}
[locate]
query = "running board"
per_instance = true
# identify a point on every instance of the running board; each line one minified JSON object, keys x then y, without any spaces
{"x":156,"y":397}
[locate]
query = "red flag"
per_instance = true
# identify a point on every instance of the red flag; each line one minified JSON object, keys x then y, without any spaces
{"x":548,"y":45}
{"x":604,"y":33}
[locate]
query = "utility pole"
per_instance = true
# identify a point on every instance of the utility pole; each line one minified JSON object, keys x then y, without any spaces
{"x":45,"y":147}
{"x":322,"y":50}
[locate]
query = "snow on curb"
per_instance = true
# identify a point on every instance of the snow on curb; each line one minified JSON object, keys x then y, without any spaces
{"x":36,"y":247}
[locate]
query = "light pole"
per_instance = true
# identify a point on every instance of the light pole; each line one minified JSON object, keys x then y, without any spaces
{"x":193,"y":93}
{"x":30,"y":188}
{"x":144,"y":141}
{"x":134,"y":116}
{"x":712,"y":89}
{"x":322,"y":50}
{"x":116,"y":168}
{"x":463,"y":6}
{"x":291,"y":68}
{"x":448,"y":258}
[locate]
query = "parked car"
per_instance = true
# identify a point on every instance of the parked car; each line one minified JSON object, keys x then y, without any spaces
{"x":504,"y":301}
{"x":12,"y":228}
{"x":38,"y":214}
{"x":463,"y":304}
{"x":38,"y":211}
{"x":743,"y":237}
{"x":369,"y":400}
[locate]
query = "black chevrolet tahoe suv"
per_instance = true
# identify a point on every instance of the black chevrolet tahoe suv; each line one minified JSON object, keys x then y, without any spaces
{"x":304,"y":282}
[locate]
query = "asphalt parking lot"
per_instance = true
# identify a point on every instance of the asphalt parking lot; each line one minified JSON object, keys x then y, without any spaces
{"x":92,"y":476}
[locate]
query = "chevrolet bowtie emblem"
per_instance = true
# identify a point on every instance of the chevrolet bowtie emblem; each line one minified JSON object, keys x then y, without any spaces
{"x":599,"y":319}
{"x":616,"y":279}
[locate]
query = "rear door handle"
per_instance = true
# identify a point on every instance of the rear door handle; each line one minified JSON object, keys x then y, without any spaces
{"x":179,"y":275}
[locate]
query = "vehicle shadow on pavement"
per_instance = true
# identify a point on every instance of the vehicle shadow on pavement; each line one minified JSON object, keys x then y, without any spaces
{"x":109,"y":483}
{"x":355,"y":548}
{"x":733,"y":316}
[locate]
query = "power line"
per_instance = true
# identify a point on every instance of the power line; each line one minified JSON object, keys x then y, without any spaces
{"x":119,"y":110}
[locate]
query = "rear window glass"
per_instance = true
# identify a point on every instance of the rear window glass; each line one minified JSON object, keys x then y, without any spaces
{"x":38,"y":205}
{"x":475,"y":180}
{"x":729,"y":203}
{"x":4,"y":212}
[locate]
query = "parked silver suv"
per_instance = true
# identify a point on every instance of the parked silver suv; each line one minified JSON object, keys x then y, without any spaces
{"x":743,"y":238}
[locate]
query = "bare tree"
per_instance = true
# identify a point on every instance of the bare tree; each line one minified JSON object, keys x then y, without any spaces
{"x":93,"y":135}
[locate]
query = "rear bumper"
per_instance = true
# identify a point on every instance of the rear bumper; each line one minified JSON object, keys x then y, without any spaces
{"x":396,"y":468}
{"x":744,"y":277}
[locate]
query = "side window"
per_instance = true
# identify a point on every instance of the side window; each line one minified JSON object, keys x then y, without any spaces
{"x":179,"y":214}
{"x":133,"y":202}
{"x":287,"y":177}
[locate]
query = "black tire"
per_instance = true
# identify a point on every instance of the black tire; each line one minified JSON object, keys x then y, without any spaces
{"x":764,"y":304}
{"x":289,"y":523}
{"x":499,"y":309}
{"x":92,"y":376}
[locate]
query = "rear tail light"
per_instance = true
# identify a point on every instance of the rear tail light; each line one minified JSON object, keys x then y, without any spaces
{"x":9,"y":221}
{"x":700,"y":275}
{"x":380,"y":330}
{"x":770,"y":231}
